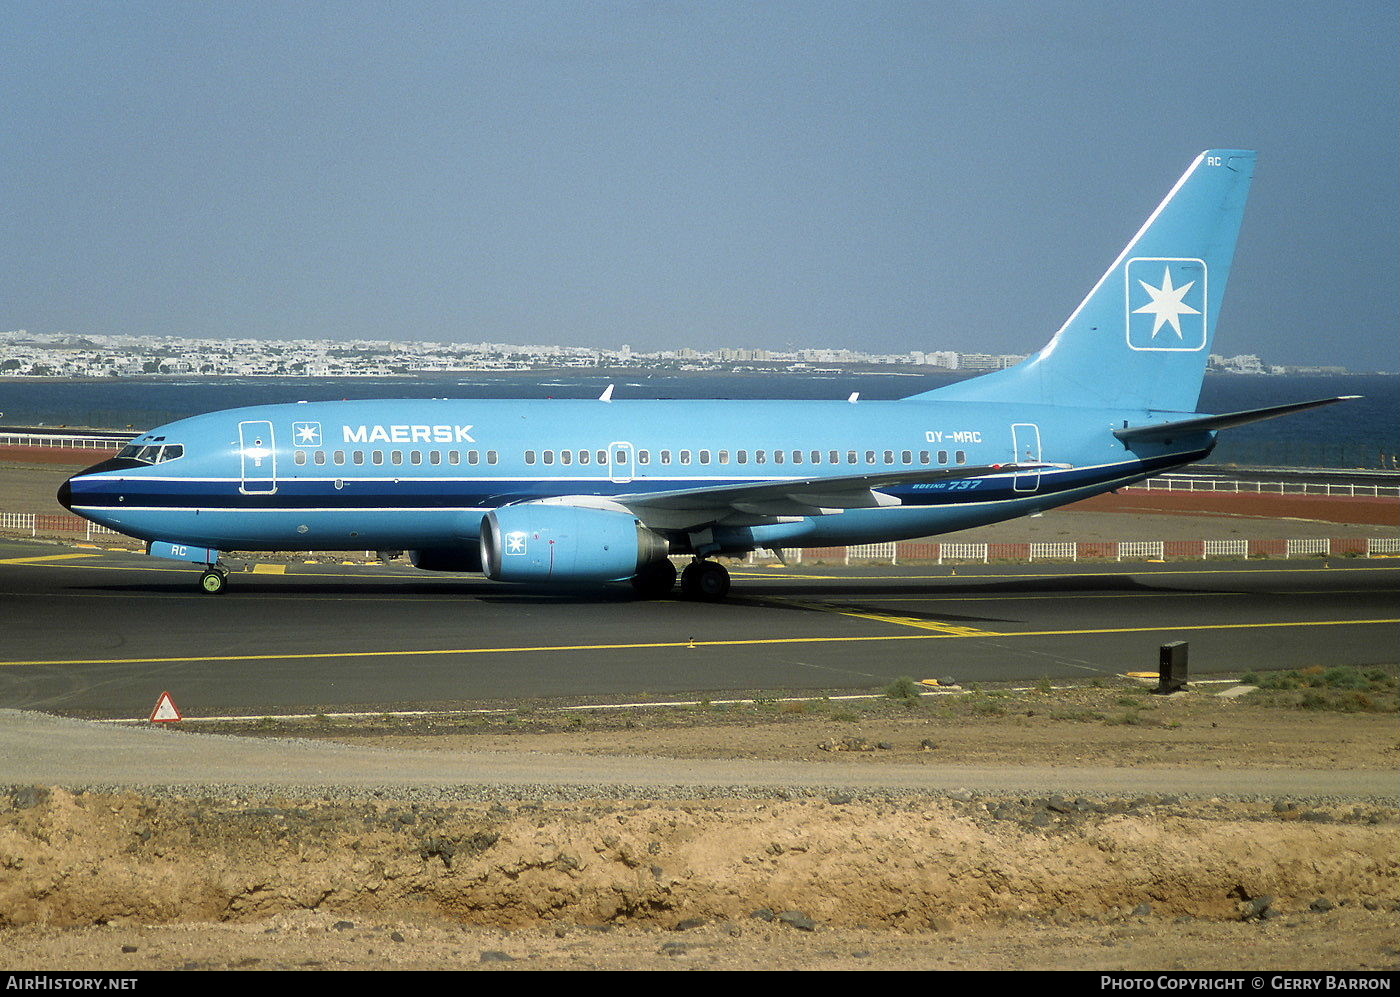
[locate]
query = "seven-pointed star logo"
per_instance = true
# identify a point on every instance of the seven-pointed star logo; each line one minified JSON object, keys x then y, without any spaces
{"x":1166,"y":304}
{"x":515,"y":543}
{"x":307,"y":433}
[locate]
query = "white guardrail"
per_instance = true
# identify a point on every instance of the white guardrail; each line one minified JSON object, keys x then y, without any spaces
{"x":59,"y":442}
{"x":1265,"y":487}
{"x":1091,"y":550}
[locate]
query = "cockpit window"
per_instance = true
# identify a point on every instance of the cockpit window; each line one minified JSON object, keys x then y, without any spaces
{"x":152,"y":453}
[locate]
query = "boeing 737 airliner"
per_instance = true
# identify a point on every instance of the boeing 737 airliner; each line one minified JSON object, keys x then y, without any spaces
{"x":597,"y":491}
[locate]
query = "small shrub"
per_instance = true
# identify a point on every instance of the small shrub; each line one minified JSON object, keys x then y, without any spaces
{"x":904,"y":688}
{"x":1344,"y":677}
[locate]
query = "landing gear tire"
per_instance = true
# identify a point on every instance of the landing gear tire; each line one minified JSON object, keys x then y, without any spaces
{"x":705,"y":581}
{"x":655,"y":581}
{"x":213,"y":582}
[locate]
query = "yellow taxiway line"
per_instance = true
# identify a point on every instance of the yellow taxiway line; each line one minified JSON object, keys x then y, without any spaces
{"x":37,"y":560}
{"x":665,"y":645}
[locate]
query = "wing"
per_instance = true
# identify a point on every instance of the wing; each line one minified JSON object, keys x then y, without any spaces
{"x":759,"y":503}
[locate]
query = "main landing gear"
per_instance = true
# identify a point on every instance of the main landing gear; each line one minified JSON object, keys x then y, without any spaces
{"x":704,"y":581}
{"x":655,"y":580}
{"x":214,"y":580}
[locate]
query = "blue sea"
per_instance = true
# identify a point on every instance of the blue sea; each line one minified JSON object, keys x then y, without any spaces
{"x":1364,"y":434}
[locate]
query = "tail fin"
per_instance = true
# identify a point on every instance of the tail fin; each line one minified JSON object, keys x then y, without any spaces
{"x":1142,"y":337}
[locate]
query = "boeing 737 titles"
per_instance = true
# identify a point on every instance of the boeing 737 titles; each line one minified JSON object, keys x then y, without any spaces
{"x":610,"y":490}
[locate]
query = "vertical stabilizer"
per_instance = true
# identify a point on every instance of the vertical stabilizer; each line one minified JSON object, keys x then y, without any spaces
{"x":1142,"y":336}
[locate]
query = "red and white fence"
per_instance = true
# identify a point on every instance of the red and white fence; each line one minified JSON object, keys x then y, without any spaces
{"x":50,"y":524}
{"x":1193,"y":484}
{"x":1086,"y":550}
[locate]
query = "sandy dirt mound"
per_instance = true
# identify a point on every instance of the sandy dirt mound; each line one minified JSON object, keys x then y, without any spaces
{"x":92,"y":859}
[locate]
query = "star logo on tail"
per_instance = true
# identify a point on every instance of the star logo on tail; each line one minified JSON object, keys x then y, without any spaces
{"x":1166,"y":304}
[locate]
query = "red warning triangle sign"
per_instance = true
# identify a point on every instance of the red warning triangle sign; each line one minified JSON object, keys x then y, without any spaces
{"x":165,"y":710}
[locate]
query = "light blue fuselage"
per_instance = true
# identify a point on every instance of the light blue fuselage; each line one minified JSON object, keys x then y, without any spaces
{"x":329,"y":493}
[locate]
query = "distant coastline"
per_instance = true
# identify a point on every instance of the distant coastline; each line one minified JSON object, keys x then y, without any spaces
{"x":940,"y":373}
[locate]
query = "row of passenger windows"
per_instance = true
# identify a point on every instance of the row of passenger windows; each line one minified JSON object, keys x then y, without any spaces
{"x":886,"y":457}
{"x":376,"y":457}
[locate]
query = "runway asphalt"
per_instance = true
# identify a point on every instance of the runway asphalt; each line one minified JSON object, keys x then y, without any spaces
{"x":95,"y":633}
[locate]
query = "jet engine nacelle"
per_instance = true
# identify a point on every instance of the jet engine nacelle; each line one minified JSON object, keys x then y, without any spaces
{"x":563,"y":543}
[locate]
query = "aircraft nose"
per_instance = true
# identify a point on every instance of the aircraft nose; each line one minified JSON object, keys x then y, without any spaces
{"x":65,"y":495}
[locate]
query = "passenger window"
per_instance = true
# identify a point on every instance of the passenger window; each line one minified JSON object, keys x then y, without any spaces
{"x":301,"y":456}
{"x":724,"y":456}
{"x":833,"y":457}
{"x":962,"y":456}
{"x":320,"y":456}
{"x":851,"y":457}
{"x":434,"y":457}
{"x":602,"y":456}
{"x":743,"y":456}
{"x":473,"y":456}
{"x":453,"y":457}
{"x":643,"y":456}
{"x":358,"y":456}
{"x":704,"y":456}
{"x":797,"y":456}
{"x":529,"y":456}
{"x":923,"y":456}
{"x":777,"y":456}
{"x":493,"y":457}
{"x":816,"y":456}
{"x":620,"y":457}
{"x":549,"y":456}
{"x":760,"y":456}
{"x":566,"y":456}
{"x":340,"y":457}
{"x":665,"y":456}
{"x":685,"y":456}
{"x":907,"y":457}
{"x":396,"y":456}
{"x":943,"y":456}
{"x":377,"y":457}
{"x":870,"y":456}
{"x":583,"y":457}
{"x":889,"y":456}
{"x":415,"y":456}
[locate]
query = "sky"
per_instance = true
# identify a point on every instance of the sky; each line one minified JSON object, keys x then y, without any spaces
{"x":880,"y":176}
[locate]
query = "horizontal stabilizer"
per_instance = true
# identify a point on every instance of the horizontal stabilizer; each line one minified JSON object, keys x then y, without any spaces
{"x":1210,"y":423}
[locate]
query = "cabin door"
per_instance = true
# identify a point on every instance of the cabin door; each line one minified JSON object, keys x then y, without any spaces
{"x":1025,"y":443}
{"x":258,"y":451}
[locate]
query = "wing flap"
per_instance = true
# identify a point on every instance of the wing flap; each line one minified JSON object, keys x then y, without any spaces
{"x":685,"y":508}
